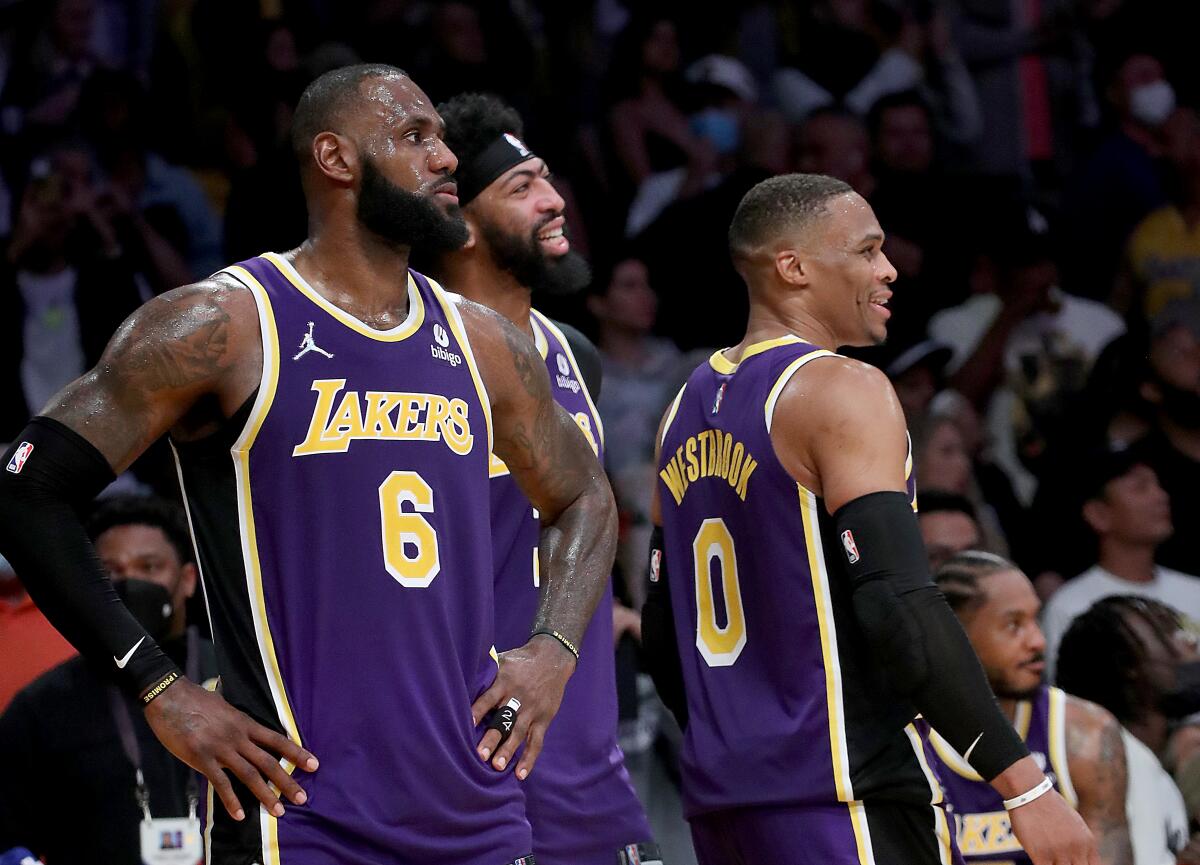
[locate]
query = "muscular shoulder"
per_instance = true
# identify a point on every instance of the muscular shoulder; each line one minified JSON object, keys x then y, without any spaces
{"x":1094,"y":745}
{"x":838,"y":428}
{"x":506,"y":356}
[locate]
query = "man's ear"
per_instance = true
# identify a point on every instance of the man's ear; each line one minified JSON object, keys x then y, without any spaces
{"x":188,"y":578}
{"x":595,"y":305}
{"x":1097,"y":515}
{"x":336,"y":157}
{"x":792,"y":267}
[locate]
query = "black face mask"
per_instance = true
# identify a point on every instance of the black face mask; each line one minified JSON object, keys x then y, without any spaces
{"x":1184,"y":698}
{"x":1180,"y":404}
{"x":150,"y":604}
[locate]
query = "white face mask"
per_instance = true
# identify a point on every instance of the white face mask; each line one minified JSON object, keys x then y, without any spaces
{"x":1152,"y":103}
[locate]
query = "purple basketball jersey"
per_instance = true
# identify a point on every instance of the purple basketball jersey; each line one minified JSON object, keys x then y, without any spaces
{"x":353,"y":607}
{"x":786,"y":704}
{"x":983,"y":827}
{"x":579,"y":799}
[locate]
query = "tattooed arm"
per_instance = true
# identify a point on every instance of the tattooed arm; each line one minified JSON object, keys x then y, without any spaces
{"x":555,"y":467}
{"x":183,"y":359}
{"x":1096,"y":759}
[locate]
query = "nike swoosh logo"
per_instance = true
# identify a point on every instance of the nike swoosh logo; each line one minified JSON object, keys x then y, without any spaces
{"x":966,"y":756}
{"x":121,"y":662}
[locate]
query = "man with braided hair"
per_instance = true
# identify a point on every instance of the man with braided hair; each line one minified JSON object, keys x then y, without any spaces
{"x":581,"y":803}
{"x":1078,"y":743}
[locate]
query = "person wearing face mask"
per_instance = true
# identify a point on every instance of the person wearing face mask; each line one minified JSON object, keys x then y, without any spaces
{"x":1120,"y":184}
{"x":1170,"y":388}
{"x":1135,"y":657}
{"x":1129,"y":515}
{"x":71,"y":730}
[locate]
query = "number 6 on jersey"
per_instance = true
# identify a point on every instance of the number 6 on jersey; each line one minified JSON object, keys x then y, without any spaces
{"x":720,"y":646}
{"x":403,"y":529}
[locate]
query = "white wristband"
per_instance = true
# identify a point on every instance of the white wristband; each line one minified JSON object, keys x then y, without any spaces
{"x":1029,"y":796}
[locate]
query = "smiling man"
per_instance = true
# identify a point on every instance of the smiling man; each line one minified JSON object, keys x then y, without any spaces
{"x":1078,"y":743}
{"x":581,"y":804}
{"x":333,"y":414}
{"x":801,"y":616}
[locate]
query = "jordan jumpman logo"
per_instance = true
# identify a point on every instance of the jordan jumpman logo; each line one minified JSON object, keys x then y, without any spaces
{"x":307,"y":345}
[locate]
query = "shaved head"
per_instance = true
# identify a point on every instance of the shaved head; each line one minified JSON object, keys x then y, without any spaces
{"x":781,"y":205}
{"x":325,"y":103}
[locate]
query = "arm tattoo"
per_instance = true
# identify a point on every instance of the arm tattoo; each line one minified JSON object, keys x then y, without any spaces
{"x":191,"y":357}
{"x":521,"y":359}
{"x":1102,"y":786}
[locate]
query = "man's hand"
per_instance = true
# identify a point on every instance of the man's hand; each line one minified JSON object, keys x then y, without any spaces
{"x":212,"y":737}
{"x":1052,"y":833}
{"x":536,"y":674}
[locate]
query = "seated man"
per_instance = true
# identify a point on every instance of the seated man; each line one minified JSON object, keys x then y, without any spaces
{"x":948,"y":526}
{"x":1077,"y":742}
{"x":71,"y":730}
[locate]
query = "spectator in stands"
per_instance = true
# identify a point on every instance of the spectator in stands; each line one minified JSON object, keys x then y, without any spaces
{"x":1023,"y":348}
{"x":834,"y":141}
{"x":1171,"y":387}
{"x":917,"y":373}
{"x":853,"y":53}
{"x":655,"y":153}
{"x":1032,"y":71}
{"x":1163,"y":256}
{"x":28,"y":643}
{"x":948,"y":526}
{"x":1120,"y":184}
{"x":63,"y":732}
{"x":1130,"y":516}
{"x":66,"y":283}
{"x":116,"y":122}
{"x":1124,"y":654}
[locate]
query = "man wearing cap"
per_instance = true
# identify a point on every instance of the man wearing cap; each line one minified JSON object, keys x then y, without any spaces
{"x":1130,"y":516}
{"x":580,"y":803}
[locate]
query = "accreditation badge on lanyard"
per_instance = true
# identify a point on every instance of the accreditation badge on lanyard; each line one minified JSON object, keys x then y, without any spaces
{"x":172,"y":840}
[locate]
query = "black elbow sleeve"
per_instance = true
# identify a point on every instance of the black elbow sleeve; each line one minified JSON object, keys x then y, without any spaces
{"x":660,"y":651}
{"x":915,"y":636}
{"x":50,"y":475}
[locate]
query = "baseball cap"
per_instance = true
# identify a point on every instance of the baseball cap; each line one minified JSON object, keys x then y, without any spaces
{"x":927,"y":352}
{"x":1104,"y":464}
{"x":721,"y":71}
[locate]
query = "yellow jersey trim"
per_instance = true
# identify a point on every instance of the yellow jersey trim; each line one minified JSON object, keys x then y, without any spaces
{"x":829,"y":649}
{"x":941,"y":826}
{"x":786,"y":376}
{"x":539,"y":337}
{"x":254,"y":584}
{"x":1057,"y":722}
{"x":862,"y":833}
{"x":406,"y":328}
{"x":562,"y":338}
{"x":460,"y":333}
{"x":671,"y":414}
{"x":725,"y":366}
{"x":1022,"y":716}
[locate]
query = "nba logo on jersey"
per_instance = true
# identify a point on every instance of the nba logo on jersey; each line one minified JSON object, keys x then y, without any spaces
{"x":20,"y":455}
{"x":563,"y":366}
{"x":720,"y":396}
{"x":655,"y":564}
{"x":850,"y":547}
{"x":439,"y":333}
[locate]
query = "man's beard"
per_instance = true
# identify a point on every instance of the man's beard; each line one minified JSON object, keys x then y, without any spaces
{"x":407,"y":218}
{"x":532,"y":268}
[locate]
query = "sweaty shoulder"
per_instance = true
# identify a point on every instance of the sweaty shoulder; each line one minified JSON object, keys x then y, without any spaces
{"x":505,"y":355}
{"x":838,"y":429}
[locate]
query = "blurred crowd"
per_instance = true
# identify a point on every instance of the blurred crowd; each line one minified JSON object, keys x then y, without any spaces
{"x":1035,"y":164}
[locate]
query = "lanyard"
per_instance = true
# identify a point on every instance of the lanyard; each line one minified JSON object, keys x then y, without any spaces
{"x":129,"y":742}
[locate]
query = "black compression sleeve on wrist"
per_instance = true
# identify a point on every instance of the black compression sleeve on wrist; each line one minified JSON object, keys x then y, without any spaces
{"x":660,"y":651}
{"x":58,"y":474}
{"x":915,"y":635}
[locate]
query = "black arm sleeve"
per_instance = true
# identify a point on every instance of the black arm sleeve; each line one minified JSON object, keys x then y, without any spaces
{"x":57,"y":474}
{"x":588,"y":358}
{"x":914,"y":633}
{"x":660,"y":651}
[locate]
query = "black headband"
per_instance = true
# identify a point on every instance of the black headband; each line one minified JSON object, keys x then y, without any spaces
{"x":476,"y":175}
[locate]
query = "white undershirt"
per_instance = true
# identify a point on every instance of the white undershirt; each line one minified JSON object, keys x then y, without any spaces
{"x":53,"y":353}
